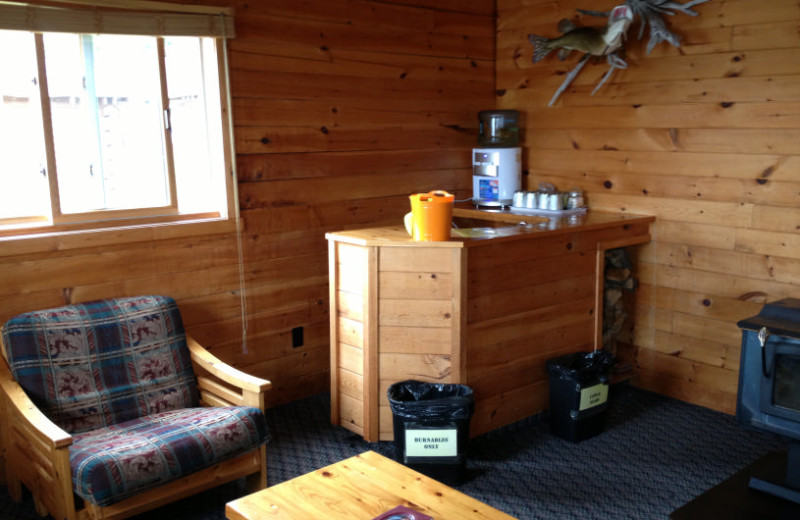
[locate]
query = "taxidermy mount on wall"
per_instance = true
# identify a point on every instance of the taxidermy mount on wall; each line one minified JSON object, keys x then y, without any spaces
{"x":608,"y":40}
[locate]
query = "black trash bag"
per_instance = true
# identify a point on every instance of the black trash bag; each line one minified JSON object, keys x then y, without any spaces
{"x":431,"y":401}
{"x":433,"y":408}
{"x":581,"y":366}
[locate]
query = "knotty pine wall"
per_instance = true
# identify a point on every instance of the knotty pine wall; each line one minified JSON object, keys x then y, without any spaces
{"x":342,"y":108}
{"x":707,"y":138}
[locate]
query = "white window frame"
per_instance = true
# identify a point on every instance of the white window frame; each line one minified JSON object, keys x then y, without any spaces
{"x":139,"y":17}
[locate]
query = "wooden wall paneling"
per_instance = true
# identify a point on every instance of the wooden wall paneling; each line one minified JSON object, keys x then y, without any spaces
{"x":193,"y":269}
{"x":717,"y":140}
{"x":688,"y":210}
{"x":39,"y":272}
{"x":342,"y":109}
{"x":477,"y":7}
{"x":688,"y":380}
{"x":664,"y":164}
{"x":407,"y":37}
{"x":716,"y":189}
{"x":785,"y":220}
{"x":759,"y":265}
{"x":263,"y":139}
{"x":753,"y":63}
{"x":269,"y":343}
{"x":706,"y":137}
{"x":701,"y":115}
{"x":720,"y":284}
{"x":275,"y":322}
{"x":255,"y":168}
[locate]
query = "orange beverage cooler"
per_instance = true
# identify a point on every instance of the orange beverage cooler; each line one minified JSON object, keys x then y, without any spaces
{"x":431,"y":216}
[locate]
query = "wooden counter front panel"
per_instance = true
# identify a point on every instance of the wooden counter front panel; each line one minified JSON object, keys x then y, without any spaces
{"x":348,"y":265}
{"x":528,"y":302}
{"x":419,"y":325}
{"x":396,"y":315}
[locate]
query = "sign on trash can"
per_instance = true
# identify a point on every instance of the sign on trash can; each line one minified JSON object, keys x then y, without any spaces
{"x":431,"y":443}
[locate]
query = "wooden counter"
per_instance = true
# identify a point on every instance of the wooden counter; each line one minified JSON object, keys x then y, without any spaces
{"x":486,"y":309}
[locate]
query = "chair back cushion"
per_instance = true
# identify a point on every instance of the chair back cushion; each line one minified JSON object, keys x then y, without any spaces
{"x":96,"y":364}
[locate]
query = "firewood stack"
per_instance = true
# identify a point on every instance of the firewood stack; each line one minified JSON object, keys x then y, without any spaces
{"x":618,"y":281}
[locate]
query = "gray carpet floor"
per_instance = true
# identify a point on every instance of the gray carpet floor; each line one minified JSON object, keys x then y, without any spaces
{"x":654,"y":455}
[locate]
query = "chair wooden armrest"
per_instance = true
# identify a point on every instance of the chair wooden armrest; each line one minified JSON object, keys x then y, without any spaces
{"x":223,"y":385}
{"x":21,"y":409}
{"x":37,"y":450}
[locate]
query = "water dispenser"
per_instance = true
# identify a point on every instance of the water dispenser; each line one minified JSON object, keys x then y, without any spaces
{"x":496,"y":163}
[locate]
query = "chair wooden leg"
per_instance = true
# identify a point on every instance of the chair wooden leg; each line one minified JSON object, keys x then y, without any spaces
{"x":14,"y":486}
{"x":258,"y":481}
{"x":41,"y":509}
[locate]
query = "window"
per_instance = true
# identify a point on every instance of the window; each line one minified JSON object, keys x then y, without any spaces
{"x":111,"y":115}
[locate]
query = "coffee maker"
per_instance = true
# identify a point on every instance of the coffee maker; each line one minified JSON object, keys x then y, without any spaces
{"x":496,"y":163}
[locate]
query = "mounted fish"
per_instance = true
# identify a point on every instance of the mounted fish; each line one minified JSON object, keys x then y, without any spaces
{"x":592,"y":41}
{"x":608,"y":40}
{"x":596,"y":41}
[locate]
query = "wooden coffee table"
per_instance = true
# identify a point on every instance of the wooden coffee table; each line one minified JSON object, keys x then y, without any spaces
{"x":359,"y":488}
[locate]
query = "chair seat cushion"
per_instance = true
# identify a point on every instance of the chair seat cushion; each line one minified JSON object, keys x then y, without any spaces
{"x":115,"y":462}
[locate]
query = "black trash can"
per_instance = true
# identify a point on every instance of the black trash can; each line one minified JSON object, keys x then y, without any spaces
{"x":431,"y":427}
{"x":579,"y":394}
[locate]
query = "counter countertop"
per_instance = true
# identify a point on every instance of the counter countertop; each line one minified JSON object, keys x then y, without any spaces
{"x":502,"y":225}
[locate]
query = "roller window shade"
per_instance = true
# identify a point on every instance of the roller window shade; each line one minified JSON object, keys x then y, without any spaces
{"x":98,"y":20}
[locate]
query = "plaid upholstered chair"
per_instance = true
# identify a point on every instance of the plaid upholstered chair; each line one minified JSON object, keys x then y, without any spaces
{"x":110,"y":410}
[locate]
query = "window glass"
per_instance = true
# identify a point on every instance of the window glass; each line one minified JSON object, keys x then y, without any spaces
{"x":23,"y":174}
{"x":95,"y":128}
{"x":193,"y":86}
{"x":105,"y":98}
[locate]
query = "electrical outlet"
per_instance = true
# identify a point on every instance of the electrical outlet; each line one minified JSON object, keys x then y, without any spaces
{"x":297,"y":337}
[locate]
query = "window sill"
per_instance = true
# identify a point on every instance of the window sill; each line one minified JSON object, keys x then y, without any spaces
{"x":55,"y":238}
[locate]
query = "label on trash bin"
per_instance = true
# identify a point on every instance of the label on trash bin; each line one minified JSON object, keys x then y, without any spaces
{"x":432,"y":443}
{"x":592,"y":396}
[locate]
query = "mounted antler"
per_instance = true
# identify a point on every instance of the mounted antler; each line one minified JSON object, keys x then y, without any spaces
{"x":651,"y":12}
{"x":592,"y":41}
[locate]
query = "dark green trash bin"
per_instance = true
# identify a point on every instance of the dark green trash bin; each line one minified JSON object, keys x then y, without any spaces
{"x":579,"y":394}
{"x":431,"y":427}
